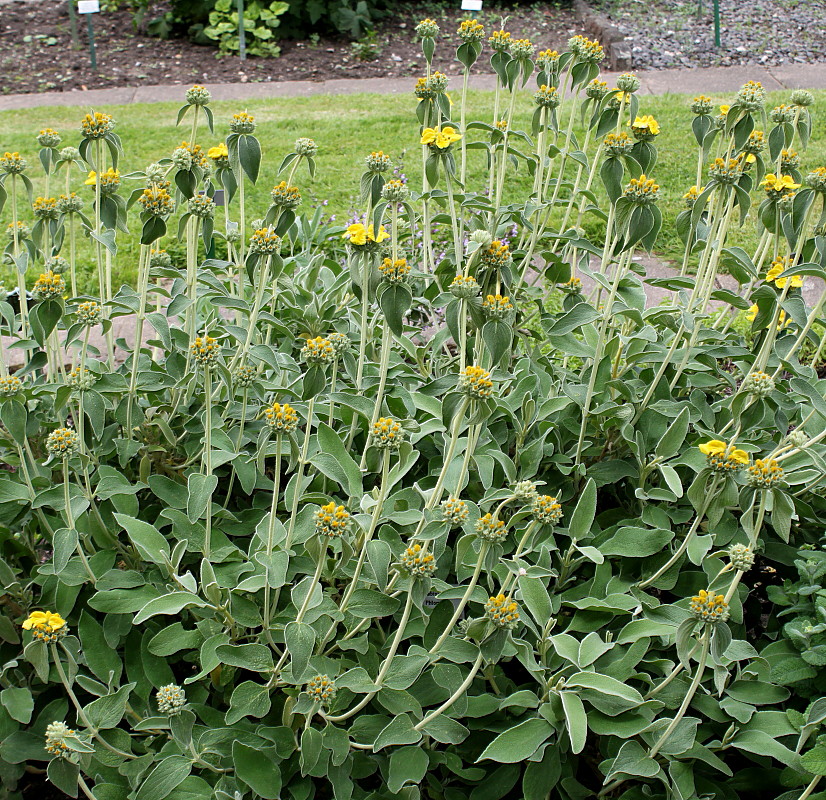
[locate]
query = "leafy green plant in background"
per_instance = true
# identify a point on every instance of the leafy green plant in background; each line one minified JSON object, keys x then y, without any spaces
{"x":360,"y":518}
{"x":260,"y":21}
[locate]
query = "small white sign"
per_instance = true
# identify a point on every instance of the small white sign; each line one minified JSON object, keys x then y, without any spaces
{"x":471,"y":5}
{"x":88,"y":6}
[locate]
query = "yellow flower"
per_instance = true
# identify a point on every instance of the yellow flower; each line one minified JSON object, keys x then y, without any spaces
{"x":218,"y":152}
{"x":45,"y":625}
{"x":440,"y":138}
{"x":92,"y":179}
{"x":752,"y":313}
{"x":778,"y":266}
{"x":646,"y":123}
{"x":724,"y":109}
{"x":780,"y":183}
{"x":356,"y":234}
{"x":712,"y":448}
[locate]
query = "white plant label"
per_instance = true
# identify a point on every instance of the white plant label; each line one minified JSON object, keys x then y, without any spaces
{"x":88,"y":6}
{"x":471,"y":5}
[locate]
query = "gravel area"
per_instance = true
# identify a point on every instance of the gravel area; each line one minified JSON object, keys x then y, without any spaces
{"x":669,"y":33}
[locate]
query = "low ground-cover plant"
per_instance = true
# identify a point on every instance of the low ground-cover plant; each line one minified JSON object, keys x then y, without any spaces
{"x":354,"y":521}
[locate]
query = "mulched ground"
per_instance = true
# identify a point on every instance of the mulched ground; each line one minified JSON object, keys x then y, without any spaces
{"x":670,"y":33}
{"x":36,"y":54}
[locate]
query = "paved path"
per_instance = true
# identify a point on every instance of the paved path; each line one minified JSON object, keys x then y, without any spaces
{"x":708,"y":80}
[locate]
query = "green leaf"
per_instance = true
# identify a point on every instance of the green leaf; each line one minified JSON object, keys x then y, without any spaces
{"x":249,"y":156}
{"x":518,"y":743}
{"x":148,"y":540}
{"x":576,"y":720}
{"x":366,"y":603}
{"x":172,"y":603}
{"x":632,"y":759}
{"x":300,"y":641}
{"x":408,"y":766}
{"x":254,"y":657}
{"x":164,"y":778}
{"x":399,"y":731}
{"x":605,"y":685}
{"x":814,"y":761}
{"x":257,"y":769}
{"x":19,"y":703}
{"x":572,"y":320}
{"x":335,"y":462}
{"x":107,"y":712}
{"x":249,"y":699}
{"x":64,"y":774}
{"x":536,"y":598}
{"x":395,"y":301}
{"x":672,"y":440}
{"x":199,"y":493}
{"x":584,"y":513}
{"x":636,"y":542}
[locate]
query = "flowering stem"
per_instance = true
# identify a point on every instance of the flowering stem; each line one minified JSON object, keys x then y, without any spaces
{"x":305,"y":448}
{"x":386,"y":341}
{"x":461,"y":689}
{"x":262,"y":277}
{"x":143,"y":264}
{"x":462,"y":121}
{"x":333,"y":378}
{"x":708,"y":497}
{"x":365,"y":308}
{"x":457,"y":612}
{"x":271,"y":530}
{"x":207,"y":455}
{"x":21,"y":279}
{"x":70,"y":521}
{"x":810,"y":788}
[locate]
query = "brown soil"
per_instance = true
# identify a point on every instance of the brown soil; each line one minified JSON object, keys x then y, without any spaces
{"x":36,"y":53}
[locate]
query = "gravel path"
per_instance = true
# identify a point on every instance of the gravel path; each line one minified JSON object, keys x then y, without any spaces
{"x":669,"y":33}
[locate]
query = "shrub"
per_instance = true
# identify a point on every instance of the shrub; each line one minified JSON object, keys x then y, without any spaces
{"x":355,"y":523}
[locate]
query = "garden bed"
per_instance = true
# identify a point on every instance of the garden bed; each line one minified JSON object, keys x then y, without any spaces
{"x":36,"y":53}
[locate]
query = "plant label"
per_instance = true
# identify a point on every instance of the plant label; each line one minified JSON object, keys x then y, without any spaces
{"x":88,"y":6}
{"x":471,"y":5}
{"x":430,"y":601}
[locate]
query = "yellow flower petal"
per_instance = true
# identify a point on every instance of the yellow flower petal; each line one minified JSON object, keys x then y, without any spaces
{"x":712,"y":448}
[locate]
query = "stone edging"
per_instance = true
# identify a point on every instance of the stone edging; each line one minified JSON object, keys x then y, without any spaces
{"x":608,"y":35}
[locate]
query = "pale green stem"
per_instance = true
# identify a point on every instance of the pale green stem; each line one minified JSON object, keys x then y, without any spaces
{"x":271,"y":529}
{"x":454,"y":697}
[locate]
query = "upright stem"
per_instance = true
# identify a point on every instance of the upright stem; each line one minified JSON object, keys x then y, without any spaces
{"x":207,"y":457}
{"x":271,"y":530}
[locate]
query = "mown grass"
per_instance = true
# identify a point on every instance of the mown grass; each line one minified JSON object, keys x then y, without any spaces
{"x":347,"y":128}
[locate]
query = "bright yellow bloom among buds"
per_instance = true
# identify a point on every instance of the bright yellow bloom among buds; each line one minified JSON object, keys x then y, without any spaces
{"x":440,"y":138}
{"x":722,"y":457}
{"x":782,"y":183}
{"x":779,"y":265}
{"x":218,"y":152}
{"x":45,"y":625}
{"x":646,"y":123}
{"x":357,"y":234}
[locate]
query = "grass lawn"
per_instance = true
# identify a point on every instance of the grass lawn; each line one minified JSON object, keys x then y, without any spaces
{"x":347,"y":128}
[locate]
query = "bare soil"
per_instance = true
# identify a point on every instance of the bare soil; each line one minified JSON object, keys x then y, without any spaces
{"x":36,"y":53}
